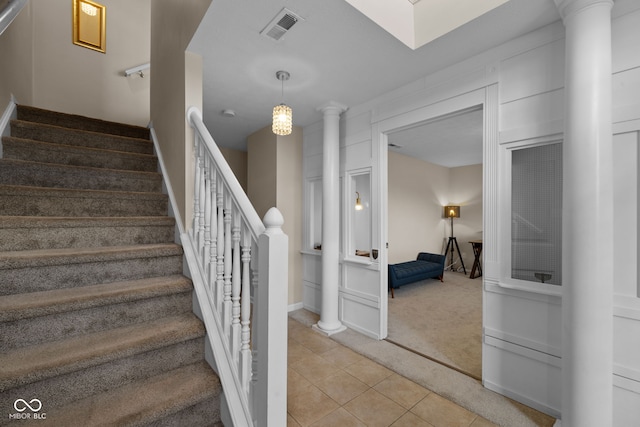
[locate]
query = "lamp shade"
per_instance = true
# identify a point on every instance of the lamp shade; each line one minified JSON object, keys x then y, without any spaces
{"x":452,"y":211}
{"x":282,"y":120}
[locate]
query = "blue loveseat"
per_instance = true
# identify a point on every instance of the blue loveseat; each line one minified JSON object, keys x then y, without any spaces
{"x":426,"y":266}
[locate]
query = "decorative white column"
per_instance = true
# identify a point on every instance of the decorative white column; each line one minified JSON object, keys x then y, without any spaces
{"x":329,"y":322}
{"x":587,"y":298}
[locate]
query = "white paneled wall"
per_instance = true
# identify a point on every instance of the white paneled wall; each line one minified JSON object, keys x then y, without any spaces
{"x":520,"y":85}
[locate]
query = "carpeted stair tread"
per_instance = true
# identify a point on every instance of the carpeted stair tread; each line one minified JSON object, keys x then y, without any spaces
{"x":96,"y":316}
{"x":54,"y":175}
{"x":35,"y":363}
{"x":43,"y":303}
{"x":82,"y":138}
{"x":82,"y":222}
{"x":147,"y":401}
{"x":48,"y":257}
{"x":34,"y":114}
{"x":75,"y":268}
{"x":49,"y":201}
{"x":47,"y":152}
{"x":19,"y":233}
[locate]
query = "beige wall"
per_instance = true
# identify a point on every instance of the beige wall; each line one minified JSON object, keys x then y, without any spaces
{"x":289,"y":201}
{"x":466,"y":191}
{"x":173,"y":23}
{"x":16,"y":71}
{"x":417,"y":192}
{"x":274,"y":178}
{"x":262,"y":158}
{"x":238,"y":162}
{"x":47,"y":70}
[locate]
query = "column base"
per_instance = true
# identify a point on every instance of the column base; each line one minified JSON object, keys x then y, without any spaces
{"x":328,"y":332}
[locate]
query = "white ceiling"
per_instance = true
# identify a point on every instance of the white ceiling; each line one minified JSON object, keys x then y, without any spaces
{"x":451,"y":141}
{"x":335,"y":54}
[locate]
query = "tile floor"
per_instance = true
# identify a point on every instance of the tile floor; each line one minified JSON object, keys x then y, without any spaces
{"x":330,"y":385}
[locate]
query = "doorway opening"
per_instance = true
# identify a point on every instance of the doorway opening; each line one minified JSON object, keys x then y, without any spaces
{"x":433,"y":163}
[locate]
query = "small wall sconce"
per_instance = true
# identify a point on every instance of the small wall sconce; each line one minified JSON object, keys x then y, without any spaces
{"x":90,"y":25}
{"x":359,"y":206}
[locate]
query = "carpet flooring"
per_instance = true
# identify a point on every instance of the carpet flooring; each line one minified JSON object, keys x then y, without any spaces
{"x":441,"y":321}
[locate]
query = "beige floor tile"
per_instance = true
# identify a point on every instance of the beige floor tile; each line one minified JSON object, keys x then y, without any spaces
{"x":314,"y":368}
{"x":291,"y":422}
{"x":374,"y":409}
{"x":482,"y":422}
{"x":342,"y":387}
{"x":296,"y":352}
{"x":310,"y":405}
{"x":368,"y":371}
{"x":411,"y":420}
{"x":296,"y":383}
{"x":442,"y":413}
{"x":339,"y":418}
{"x":342,"y":356}
{"x":401,"y":390}
{"x":313,"y":340}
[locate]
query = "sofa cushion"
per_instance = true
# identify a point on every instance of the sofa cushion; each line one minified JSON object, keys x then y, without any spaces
{"x":414,"y":268}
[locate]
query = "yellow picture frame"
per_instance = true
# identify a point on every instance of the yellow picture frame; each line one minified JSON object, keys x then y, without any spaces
{"x":90,"y":25}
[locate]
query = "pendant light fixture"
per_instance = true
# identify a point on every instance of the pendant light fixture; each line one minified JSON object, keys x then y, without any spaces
{"x":282,"y":113}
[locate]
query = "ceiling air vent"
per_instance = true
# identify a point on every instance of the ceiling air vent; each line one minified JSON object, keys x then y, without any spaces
{"x":279,"y":25}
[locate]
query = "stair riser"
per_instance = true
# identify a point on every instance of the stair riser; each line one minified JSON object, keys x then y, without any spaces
{"x":43,"y":278}
{"x":201,"y":414}
{"x":56,"y":176}
{"x":64,"y":389}
{"x":37,"y":330}
{"x":23,"y":239}
{"x":21,"y":150}
{"x":80,"y":138}
{"x":79,"y":122}
{"x":74,"y":207}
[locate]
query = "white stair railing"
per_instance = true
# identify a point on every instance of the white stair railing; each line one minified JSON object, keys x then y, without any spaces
{"x":239,"y":270}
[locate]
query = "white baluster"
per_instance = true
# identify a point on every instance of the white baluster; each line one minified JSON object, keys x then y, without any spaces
{"x":245,"y":312}
{"x":235,"y":286}
{"x":220,"y":249}
{"x":201,"y":201}
{"x":226,"y":302}
{"x":207,"y":216}
{"x":196,"y":190}
{"x":211,"y":272}
{"x":254,"y":342}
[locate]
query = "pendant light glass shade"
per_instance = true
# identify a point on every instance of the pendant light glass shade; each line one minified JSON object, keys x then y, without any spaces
{"x":282,"y":120}
{"x":282,"y":114}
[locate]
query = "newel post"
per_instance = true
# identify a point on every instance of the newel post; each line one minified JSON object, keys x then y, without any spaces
{"x":270,"y":394}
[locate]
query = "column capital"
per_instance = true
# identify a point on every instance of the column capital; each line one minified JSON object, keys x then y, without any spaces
{"x":332,"y":107}
{"x":568,"y":8}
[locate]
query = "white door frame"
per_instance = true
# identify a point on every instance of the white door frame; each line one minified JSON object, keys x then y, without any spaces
{"x":486,"y":98}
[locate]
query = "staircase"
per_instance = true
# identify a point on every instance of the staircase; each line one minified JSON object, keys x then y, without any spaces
{"x":96,"y":318}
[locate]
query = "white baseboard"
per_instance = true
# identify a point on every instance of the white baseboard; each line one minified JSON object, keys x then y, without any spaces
{"x":5,"y":121}
{"x":294,"y":307}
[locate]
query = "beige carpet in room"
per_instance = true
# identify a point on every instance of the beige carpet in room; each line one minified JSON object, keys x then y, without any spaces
{"x":441,"y":321}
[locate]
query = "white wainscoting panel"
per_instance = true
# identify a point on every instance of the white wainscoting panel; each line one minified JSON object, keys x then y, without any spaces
{"x":357,"y":312}
{"x":626,"y":402}
{"x":526,"y":375}
{"x":535,"y":71}
{"x":530,"y":320}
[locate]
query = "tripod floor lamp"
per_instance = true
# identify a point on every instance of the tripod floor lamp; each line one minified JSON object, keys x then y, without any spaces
{"x":453,"y":212}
